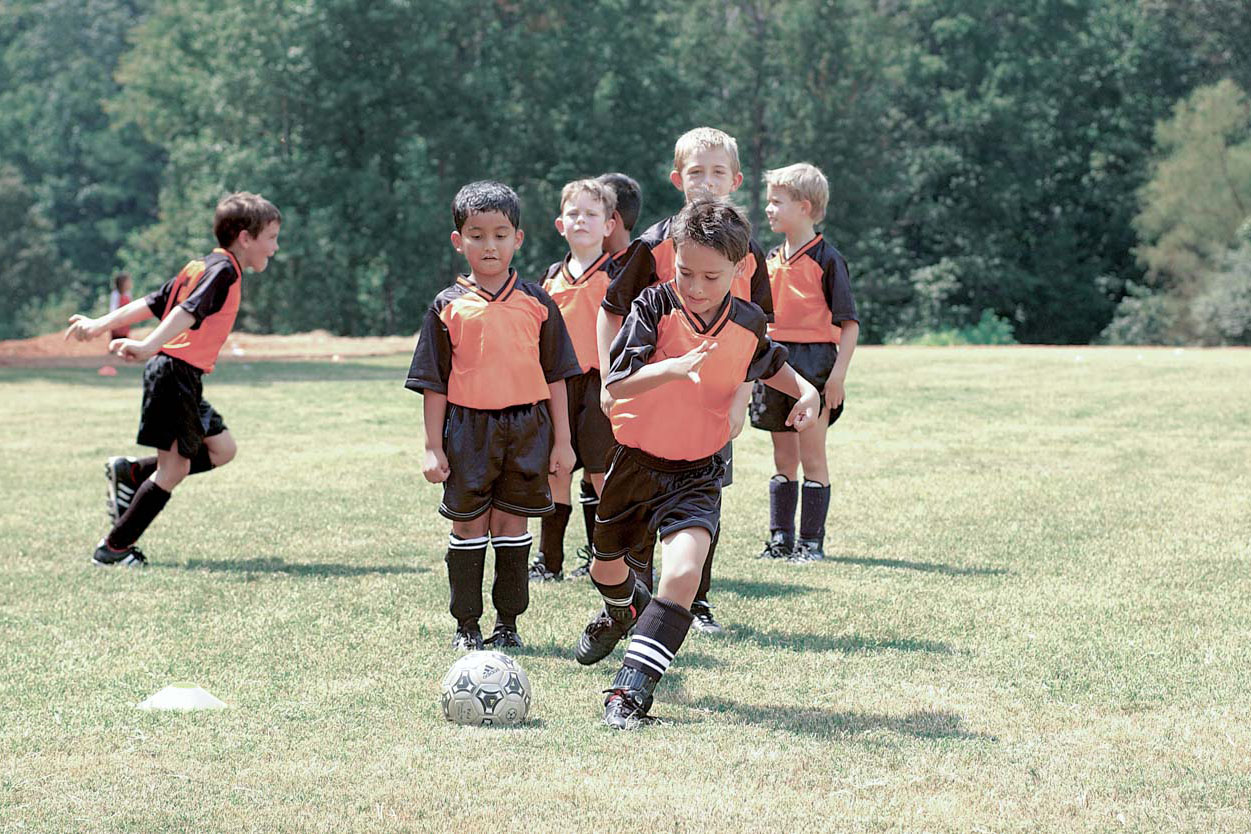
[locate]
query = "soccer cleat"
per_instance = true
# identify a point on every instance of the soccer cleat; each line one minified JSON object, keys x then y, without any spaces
{"x":540,"y":572}
{"x":603,"y":633}
{"x":629,"y":699}
{"x":704,"y":622}
{"x":127,"y":557}
{"x":120,"y":474}
{"x":808,"y":550}
{"x":504,"y":637}
{"x":779,"y":546}
{"x":468,"y":638}
{"x":583,"y":569}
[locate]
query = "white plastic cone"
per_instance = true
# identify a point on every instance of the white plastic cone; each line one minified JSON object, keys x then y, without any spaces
{"x":184,"y":696}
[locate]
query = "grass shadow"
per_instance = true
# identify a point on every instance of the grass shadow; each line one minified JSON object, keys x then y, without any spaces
{"x":265,"y":372}
{"x":844,"y":643}
{"x":760,"y":588}
{"x":560,"y":651}
{"x":276,"y":565}
{"x":825,"y":723}
{"x":924,"y":567}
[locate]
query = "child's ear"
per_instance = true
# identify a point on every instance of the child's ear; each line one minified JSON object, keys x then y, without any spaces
{"x":675,"y":177}
{"x":457,"y":241}
{"x":610,"y":224}
{"x":520,"y":237}
{"x":807,"y":205}
{"x":560,"y":226}
{"x":740,"y":268}
{"x":738,"y":180}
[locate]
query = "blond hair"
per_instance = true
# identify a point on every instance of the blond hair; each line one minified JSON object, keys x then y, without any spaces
{"x":600,"y":191}
{"x":803,"y":182}
{"x":702,"y":139}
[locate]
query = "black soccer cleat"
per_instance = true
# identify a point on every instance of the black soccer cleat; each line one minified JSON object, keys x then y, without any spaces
{"x":704,"y":622}
{"x":629,"y":699}
{"x":468,"y":638}
{"x":808,"y":550}
{"x":603,"y":633}
{"x":539,"y":572}
{"x":127,"y":557}
{"x":779,"y":546}
{"x":583,"y":569}
{"x":504,"y":637}
{"x":120,"y":473}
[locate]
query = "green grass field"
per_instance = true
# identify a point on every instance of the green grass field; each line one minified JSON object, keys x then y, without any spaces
{"x":1035,"y":618}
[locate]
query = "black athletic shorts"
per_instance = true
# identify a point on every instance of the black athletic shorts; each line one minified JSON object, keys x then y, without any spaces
{"x":646,"y":498}
{"x":811,"y":360}
{"x":174,"y":407}
{"x":497,"y":458}
{"x":589,"y":429}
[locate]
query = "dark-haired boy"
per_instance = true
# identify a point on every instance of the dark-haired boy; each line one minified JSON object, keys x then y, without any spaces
{"x":491,"y":362}
{"x":197,"y":309}
{"x":675,"y":369}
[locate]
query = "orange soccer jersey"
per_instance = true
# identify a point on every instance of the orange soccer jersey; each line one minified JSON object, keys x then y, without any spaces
{"x":579,"y":300}
{"x":210,"y":289}
{"x":683,"y":419}
{"x":811,"y":291}
{"x":492,"y":351}
{"x":658,"y":250}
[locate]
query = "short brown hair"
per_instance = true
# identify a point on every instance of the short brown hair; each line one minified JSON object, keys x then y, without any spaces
{"x":803,"y":182}
{"x":714,"y":222}
{"x":600,"y":191}
{"x":242,"y":211}
{"x":702,"y":139}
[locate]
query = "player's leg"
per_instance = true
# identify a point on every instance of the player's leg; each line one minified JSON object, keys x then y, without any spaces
{"x":118,"y":547}
{"x":590,"y":488}
{"x":595,"y":445}
{"x":783,"y":496}
{"x":510,"y":592}
{"x":549,"y":565}
{"x":815,"y":498}
{"x":466,"y":565}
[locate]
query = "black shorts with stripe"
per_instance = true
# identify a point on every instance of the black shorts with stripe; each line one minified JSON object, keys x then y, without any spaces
{"x":647,"y":498}
{"x":174,"y":408}
{"x":590,"y":432}
{"x":497,"y":458}
{"x":813,"y":361}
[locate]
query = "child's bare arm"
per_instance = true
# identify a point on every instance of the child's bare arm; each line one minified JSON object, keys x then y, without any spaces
{"x":607,"y":326}
{"x":433,"y":410}
{"x":135,"y":350}
{"x":84,"y":328}
{"x":835,"y":388}
{"x":738,"y":409}
{"x":657,"y":374}
{"x":562,"y":458}
{"x":807,"y":401}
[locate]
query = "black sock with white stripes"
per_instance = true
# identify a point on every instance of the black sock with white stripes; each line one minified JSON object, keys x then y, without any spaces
{"x":590,"y":503}
{"x":511,"y":591}
{"x":466,"y":561}
{"x":658,"y":635}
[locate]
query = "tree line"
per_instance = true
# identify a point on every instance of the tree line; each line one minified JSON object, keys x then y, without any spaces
{"x":1056,"y":171}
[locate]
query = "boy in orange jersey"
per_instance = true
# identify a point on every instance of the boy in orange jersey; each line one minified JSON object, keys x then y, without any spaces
{"x":197,"y":310}
{"x":674,"y":370}
{"x":705,"y":163}
{"x":577,"y":284}
{"x":493,"y":352}
{"x":815,"y":317}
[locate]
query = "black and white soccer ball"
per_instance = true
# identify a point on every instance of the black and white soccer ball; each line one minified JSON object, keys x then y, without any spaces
{"x":486,"y":688}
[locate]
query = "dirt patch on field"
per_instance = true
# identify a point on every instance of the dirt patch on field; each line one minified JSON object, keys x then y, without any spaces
{"x":52,"y":350}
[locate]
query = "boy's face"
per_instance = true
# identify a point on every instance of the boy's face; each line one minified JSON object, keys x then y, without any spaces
{"x":254,"y":252}
{"x":582,"y":222}
{"x":709,"y":173}
{"x":704,"y":276}
{"x":488,"y":240}
{"x":784,"y":212}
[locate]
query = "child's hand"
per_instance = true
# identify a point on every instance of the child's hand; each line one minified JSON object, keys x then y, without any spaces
{"x":562,"y":459}
{"x":804,"y":414}
{"x":82,"y":328}
{"x":435,"y":467}
{"x":688,"y":364}
{"x":834,"y":393}
{"x":131,"y":350}
{"x":605,"y":400}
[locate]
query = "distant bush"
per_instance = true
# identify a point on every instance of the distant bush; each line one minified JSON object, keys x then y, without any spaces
{"x":1144,"y":317}
{"x":990,"y":329}
{"x":1221,"y":312}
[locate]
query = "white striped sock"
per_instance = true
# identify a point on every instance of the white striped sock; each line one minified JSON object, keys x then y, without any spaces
{"x":524,"y":540}
{"x":650,"y":653}
{"x":455,"y":542}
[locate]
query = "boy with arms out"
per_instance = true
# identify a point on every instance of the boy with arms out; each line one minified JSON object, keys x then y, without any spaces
{"x":197,"y":310}
{"x":683,"y":353}
{"x":577,"y":285}
{"x":493,"y":352}
{"x":815,"y":318}
{"x":705,"y":163}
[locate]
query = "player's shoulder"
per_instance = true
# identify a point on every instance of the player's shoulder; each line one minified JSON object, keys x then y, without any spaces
{"x":826,"y":254}
{"x":534,"y":289}
{"x":657,"y":233}
{"x":747,"y":315}
{"x":448,"y":294}
{"x":551,"y":272}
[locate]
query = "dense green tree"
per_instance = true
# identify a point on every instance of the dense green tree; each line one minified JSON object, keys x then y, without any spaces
{"x":30,"y":272}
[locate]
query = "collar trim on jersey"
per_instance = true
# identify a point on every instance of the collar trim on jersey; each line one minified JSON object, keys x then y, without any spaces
{"x":801,"y":251}
{"x":505,"y":291}
{"x":587,"y":273}
{"x":715,"y":324}
{"x":233,"y":260}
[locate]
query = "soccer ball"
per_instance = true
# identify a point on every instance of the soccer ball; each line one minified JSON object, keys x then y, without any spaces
{"x":486,"y":688}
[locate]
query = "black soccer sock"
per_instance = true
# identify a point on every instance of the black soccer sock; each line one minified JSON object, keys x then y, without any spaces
{"x":142,"y":469}
{"x":552,"y":537}
{"x":783,"y":499}
{"x":201,"y":462}
{"x":147,"y":504}
{"x":705,"y":578}
{"x":511,"y":592}
{"x":590,"y":503}
{"x":812,"y":512}
{"x":617,"y":596}
{"x":658,"y":635}
{"x":466,"y":562}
